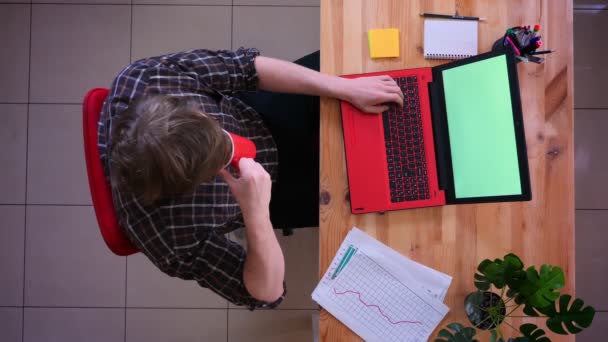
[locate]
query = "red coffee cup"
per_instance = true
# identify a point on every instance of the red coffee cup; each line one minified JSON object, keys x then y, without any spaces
{"x":241,"y":148}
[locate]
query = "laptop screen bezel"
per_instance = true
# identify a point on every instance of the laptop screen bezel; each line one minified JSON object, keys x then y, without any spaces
{"x":518,"y":123}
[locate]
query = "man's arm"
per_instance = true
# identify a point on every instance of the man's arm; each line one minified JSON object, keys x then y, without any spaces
{"x":264,"y":269}
{"x":216,"y":262}
{"x":367,"y":93}
{"x":223,"y":71}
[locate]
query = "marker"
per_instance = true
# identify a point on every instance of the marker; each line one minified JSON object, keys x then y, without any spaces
{"x":345,"y":259}
{"x":526,"y":39}
{"x":536,"y":29}
{"x":514,"y":38}
{"x":520,"y":35}
{"x":526,"y":50}
{"x":444,"y":16}
{"x":537,"y":60}
{"x":542,"y":52}
{"x":534,"y":40}
{"x":513,"y":45}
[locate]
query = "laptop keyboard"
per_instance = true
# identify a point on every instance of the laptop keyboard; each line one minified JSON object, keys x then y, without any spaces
{"x":407,"y":171}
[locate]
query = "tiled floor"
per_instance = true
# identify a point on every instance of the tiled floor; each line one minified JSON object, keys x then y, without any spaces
{"x":60,"y":283}
{"x":591,"y":160}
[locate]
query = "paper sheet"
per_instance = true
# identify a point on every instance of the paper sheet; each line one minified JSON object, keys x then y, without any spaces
{"x":380,"y":294}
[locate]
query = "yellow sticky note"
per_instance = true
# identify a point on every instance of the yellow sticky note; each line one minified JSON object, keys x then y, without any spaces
{"x":383,"y":43}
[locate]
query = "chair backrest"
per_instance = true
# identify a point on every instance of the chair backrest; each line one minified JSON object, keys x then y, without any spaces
{"x":101,"y":193}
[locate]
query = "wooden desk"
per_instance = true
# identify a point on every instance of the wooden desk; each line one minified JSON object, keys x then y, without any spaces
{"x":454,"y":239}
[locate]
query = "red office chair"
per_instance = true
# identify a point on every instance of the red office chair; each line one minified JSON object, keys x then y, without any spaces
{"x":100,"y":189}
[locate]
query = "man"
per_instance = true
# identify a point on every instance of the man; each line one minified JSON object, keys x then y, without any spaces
{"x":164,"y":150}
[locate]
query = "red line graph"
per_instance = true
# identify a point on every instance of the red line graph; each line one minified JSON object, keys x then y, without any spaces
{"x":375,"y":306}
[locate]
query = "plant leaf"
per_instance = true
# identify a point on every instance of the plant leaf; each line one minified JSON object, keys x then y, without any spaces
{"x":532,"y":311}
{"x":458,"y":333}
{"x":482,"y":265}
{"x":481,"y":282}
{"x":468,"y":334}
{"x":444,"y":333}
{"x":520,"y":298}
{"x":516,"y":269}
{"x":504,"y":272}
{"x":529,"y":310}
{"x":455,"y":327}
{"x":538,"y":290}
{"x":532,"y":333}
{"x":494,"y":336}
{"x":568,"y":316}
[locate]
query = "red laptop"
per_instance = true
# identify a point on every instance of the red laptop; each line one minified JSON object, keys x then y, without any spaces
{"x":459,"y":138}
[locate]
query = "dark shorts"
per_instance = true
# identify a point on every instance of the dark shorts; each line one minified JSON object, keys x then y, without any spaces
{"x":293,"y":121}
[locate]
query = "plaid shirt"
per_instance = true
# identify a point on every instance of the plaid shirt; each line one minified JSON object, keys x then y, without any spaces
{"x":184,"y":236}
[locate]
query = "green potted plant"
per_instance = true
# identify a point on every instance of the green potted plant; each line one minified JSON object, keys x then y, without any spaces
{"x":537,"y":292}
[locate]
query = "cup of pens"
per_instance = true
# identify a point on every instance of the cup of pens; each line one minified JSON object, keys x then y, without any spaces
{"x":525,"y":43}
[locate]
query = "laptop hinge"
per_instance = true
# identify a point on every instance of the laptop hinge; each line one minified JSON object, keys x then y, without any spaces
{"x":439,"y":134}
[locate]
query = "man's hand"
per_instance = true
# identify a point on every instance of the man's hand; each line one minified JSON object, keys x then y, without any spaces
{"x":251,"y":189}
{"x":371,"y":94}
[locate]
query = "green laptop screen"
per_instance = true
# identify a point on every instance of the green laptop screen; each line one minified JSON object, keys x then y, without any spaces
{"x":481,"y":129}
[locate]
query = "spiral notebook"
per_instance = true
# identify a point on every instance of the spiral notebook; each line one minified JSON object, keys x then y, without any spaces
{"x":450,"y":38}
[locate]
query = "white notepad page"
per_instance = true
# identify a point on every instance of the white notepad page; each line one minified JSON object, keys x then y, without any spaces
{"x":450,"y":38}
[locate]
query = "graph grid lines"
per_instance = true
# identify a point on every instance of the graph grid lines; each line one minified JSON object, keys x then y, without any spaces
{"x":381,"y":303}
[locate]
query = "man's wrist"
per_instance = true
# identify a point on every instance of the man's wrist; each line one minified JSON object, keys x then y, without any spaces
{"x":257,"y":219}
{"x":338,"y":88}
{"x":259,"y":230}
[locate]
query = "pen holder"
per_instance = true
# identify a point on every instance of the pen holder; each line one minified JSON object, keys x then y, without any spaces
{"x":499,"y":46}
{"x":521,"y":54}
